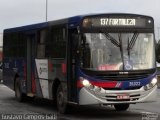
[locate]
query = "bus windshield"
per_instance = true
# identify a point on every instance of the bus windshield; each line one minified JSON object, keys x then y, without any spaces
{"x":118,"y":51}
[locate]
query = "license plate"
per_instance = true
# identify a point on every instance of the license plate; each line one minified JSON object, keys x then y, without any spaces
{"x":123,"y":96}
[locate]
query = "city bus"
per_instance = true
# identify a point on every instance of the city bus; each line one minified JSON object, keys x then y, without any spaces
{"x":158,"y":62}
{"x":96,"y":59}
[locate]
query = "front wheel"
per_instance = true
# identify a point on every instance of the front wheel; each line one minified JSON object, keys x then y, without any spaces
{"x":61,"y":100}
{"x":121,"y":107}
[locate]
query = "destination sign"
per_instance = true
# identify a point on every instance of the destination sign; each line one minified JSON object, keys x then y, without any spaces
{"x":117,"y":22}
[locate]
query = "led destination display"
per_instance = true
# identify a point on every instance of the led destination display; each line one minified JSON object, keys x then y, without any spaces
{"x":119,"y":22}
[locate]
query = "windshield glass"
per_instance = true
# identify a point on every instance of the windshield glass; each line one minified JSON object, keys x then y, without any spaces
{"x":118,"y":51}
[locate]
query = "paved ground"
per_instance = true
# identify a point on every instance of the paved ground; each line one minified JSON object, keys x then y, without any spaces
{"x":8,"y":105}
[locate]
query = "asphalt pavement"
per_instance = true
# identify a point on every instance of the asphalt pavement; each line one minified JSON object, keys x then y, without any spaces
{"x":32,"y":108}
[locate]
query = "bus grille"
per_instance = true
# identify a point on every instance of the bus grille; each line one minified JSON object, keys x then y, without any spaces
{"x":130,"y":88}
{"x":121,"y":77}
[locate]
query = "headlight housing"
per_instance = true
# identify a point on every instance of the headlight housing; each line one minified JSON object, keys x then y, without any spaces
{"x":151,"y":84}
{"x":88,"y":84}
{"x":84,"y":82}
{"x":154,"y":81}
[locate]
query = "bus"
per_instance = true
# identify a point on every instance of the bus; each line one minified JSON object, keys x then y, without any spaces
{"x":96,"y":59}
{"x":158,"y":62}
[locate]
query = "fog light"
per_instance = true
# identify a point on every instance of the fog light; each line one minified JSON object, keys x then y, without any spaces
{"x":91,"y":87}
{"x":97,"y":89}
{"x":145,"y":87}
{"x":151,"y":85}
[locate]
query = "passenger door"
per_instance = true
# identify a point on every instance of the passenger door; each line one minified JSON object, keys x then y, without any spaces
{"x":71,"y":65}
{"x":31,"y":38}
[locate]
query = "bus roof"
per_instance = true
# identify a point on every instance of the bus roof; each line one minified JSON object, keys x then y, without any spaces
{"x":72,"y":22}
{"x":27,"y":27}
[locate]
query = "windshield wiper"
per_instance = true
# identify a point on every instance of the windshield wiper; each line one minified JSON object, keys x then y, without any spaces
{"x":114,"y":41}
{"x":133,"y":40}
{"x":121,"y":47}
{"x":132,"y":43}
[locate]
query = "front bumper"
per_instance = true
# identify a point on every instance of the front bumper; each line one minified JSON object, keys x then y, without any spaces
{"x":90,"y":97}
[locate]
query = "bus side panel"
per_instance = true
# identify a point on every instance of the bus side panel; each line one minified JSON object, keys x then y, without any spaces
{"x":57,"y":71}
{"x":47,"y":71}
{"x":35,"y":81}
{"x":12,"y":68}
{"x":42,"y":78}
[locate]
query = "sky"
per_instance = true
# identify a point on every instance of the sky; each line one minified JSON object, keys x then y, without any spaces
{"x":15,"y":13}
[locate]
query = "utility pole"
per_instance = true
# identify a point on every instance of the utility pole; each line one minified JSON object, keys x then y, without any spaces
{"x":158,"y":33}
{"x":1,"y":40}
{"x":46,"y":10}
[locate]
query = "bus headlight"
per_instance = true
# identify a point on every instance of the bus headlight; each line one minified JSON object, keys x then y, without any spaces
{"x":89,"y":85}
{"x":85,"y":82}
{"x":154,"y":81}
{"x":151,"y":84}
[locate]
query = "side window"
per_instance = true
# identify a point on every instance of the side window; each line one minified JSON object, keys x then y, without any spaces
{"x":74,"y":43}
{"x":5,"y":45}
{"x":56,"y":43}
{"x":41,"y":44}
{"x":22,"y":45}
{"x":14,"y":45}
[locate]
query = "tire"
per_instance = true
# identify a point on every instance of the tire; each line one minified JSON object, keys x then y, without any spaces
{"x":121,"y":107}
{"x":18,"y":92}
{"x":61,"y":100}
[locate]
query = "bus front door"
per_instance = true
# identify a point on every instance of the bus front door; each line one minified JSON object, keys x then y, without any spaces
{"x":71,"y":66}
